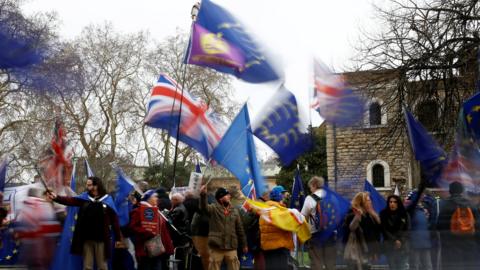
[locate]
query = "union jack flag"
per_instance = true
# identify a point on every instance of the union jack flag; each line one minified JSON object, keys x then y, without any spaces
{"x":199,"y":128}
{"x":333,"y":99}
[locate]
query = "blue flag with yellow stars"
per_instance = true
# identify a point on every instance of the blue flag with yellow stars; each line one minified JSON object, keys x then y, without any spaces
{"x":298,"y":194}
{"x":219,"y":41}
{"x":334,"y":209}
{"x":471,"y":111}
{"x":246,"y":261}
{"x":281,"y":129}
{"x":236,"y":152}
{"x":124,"y":187}
{"x":9,"y":246}
{"x":431,"y":156}
{"x":63,"y":259}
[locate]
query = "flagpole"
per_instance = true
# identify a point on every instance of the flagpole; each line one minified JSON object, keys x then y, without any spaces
{"x":335,"y":165}
{"x":193,"y":13}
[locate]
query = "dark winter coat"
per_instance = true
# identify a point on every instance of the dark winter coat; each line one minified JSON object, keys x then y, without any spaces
{"x":110,"y":223}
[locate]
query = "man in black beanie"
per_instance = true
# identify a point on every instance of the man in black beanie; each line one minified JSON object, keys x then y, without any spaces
{"x":226,"y":232}
{"x":458,"y":225}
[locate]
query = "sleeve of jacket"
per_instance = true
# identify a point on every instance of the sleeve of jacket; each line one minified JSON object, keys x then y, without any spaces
{"x":204,"y":206}
{"x":70,"y":201}
{"x":242,"y":239}
{"x":166,"y":238}
{"x":115,"y":224}
{"x":136,"y":226}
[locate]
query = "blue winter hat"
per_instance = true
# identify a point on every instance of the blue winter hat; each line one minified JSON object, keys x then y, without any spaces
{"x":148,"y":194}
{"x":276,"y":193}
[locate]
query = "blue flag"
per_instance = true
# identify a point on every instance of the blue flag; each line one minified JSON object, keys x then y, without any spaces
{"x":3,"y":174}
{"x":280,"y":127}
{"x":88,"y":170}
{"x":379,"y":203}
{"x":197,"y":168}
{"x":334,"y":209}
{"x":298,"y":193}
{"x":432,"y":158}
{"x":124,"y":187}
{"x":63,"y":259}
{"x":236,"y":152}
{"x":9,"y":249}
{"x":219,"y":41}
{"x":471,"y":112}
{"x":73,"y":180}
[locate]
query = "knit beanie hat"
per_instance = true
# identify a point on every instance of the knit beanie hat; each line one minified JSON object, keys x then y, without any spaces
{"x":455,"y":188}
{"x":220,"y":193}
{"x":148,"y":194}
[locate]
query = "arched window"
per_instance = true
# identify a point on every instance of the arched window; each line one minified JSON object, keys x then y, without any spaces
{"x":378,"y":175}
{"x":428,"y":114}
{"x":375,"y":114}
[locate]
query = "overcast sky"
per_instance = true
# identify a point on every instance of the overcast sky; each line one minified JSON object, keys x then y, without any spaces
{"x":293,"y":31}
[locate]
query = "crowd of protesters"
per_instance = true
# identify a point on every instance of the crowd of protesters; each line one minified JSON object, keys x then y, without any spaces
{"x":207,"y":231}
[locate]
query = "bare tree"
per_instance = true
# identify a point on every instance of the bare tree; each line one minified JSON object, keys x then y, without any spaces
{"x":425,"y":53}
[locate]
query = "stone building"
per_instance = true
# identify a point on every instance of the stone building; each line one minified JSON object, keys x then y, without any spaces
{"x":368,"y":150}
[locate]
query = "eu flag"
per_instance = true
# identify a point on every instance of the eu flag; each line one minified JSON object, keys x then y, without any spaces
{"x":236,"y":152}
{"x":334,"y":208}
{"x":471,"y":112}
{"x":63,"y":259}
{"x":298,"y":193}
{"x":432,"y":158}
{"x":124,"y":187}
{"x":379,"y":203}
{"x":280,"y":127}
{"x":219,"y":41}
{"x":9,"y":246}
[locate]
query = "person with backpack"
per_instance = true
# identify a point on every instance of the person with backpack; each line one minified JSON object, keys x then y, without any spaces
{"x":458,"y":224}
{"x":322,"y":253}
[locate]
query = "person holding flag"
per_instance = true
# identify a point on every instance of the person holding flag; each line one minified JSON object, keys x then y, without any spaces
{"x":321,"y":254}
{"x":226,"y":233}
{"x":97,"y":219}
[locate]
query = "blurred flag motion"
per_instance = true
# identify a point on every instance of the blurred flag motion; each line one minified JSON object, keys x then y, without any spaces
{"x":280,"y":127}
{"x":464,"y":162}
{"x":219,"y":41}
{"x":199,"y":128}
{"x":334,"y":100}
{"x":431,"y":156}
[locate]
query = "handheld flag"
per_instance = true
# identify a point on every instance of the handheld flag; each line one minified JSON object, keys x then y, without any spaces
{"x":379,"y":203}
{"x":219,"y":41}
{"x":199,"y":128}
{"x":16,"y":51}
{"x":249,"y":190}
{"x":197,"y":168}
{"x":236,"y":152}
{"x":464,"y":160}
{"x":281,"y":129}
{"x":56,"y":159}
{"x":432,"y":158}
{"x":298,"y":193}
{"x":334,"y":100}
{"x":73,"y":181}
{"x":124,"y":187}
{"x":471,"y":113}
{"x":284,"y":218}
{"x":88,"y":169}
{"x":334,"y":209}
{"x":3,"y":174}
